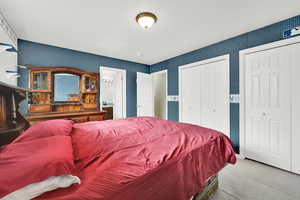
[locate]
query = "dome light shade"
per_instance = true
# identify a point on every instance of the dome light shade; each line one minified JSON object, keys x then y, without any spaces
{"x":146,"y":19}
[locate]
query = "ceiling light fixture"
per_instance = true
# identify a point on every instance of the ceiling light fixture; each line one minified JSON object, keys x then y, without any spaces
{"x":146,"y":19}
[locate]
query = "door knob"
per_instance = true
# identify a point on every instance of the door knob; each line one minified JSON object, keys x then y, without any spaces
{"x":214,"y":110}
{"x":264,"y":114}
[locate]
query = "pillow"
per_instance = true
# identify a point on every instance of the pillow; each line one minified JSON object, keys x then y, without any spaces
{"x":46,"y":129}
{"x":34,"y":161}
{"x":36,"y":189}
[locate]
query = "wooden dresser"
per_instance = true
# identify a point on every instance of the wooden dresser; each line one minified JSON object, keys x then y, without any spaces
{"x":63,"y":93}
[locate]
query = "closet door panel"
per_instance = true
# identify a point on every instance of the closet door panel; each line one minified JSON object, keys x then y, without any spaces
{"x":214,"y":96}
{"x":190,"y":95}
{"x":221,"y":95}
{"x":296,"y":109}
{"x":207,"y":95}
{"x":268,"y":107}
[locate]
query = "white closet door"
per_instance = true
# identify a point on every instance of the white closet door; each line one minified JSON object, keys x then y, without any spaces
{"x":268,"y":111}
{"x":144,"y":95}
{"x":296,"y":109}
{"x":215,"y":96}
{"x":222,"y":107}
{"x":205,"y":94}
{"x":190,"y":95}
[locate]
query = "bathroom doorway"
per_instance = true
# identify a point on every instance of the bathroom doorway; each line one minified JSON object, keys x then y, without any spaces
{"x":113,"y":92}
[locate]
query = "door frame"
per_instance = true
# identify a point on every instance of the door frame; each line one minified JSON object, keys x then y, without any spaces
{"x":162,"y":72}
{"x":242,"y":65}
{"x":123,"y":71}
{"x":225,"y":57}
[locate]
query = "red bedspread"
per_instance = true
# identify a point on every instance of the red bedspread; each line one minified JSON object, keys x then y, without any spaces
{"x":146,"y":159}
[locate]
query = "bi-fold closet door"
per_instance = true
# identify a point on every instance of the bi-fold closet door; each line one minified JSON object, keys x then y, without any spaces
{"x":204,"y":93}
{"x":271,"y":106}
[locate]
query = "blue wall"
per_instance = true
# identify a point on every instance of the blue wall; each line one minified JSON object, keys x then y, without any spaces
{"x":231,"y":46}
{"x":39,"y":54}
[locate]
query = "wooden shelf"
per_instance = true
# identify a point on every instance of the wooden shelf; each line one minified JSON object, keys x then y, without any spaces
{"x":39,"y":91}
{"x":91,"y":92}
{"x":67,"y":103}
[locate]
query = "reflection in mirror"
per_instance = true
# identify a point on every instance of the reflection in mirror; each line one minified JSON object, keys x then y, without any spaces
{"x":66,"y":87}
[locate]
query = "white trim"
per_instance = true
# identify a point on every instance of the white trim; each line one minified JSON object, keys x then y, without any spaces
{"x":163,"y":72}
{"x":206,"y":61}
{"x":124,"y":87}
{"x":271,"y":45}
{"x":242,"y":55}
{"x":196,"y":64}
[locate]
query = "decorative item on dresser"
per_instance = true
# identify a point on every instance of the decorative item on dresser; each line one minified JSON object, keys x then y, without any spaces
{"x":12,"y":123}
{"x":64,"y":93}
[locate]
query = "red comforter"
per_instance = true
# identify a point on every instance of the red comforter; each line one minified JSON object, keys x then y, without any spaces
{"x":144,"y":159}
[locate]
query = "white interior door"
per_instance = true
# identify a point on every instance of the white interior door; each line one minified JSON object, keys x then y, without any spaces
{"x":267,"y":107}
{"x":144,"y":95}
{"x":204,"y":94}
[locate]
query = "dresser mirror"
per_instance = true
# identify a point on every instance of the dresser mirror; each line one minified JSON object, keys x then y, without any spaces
{"x":66,"y":87}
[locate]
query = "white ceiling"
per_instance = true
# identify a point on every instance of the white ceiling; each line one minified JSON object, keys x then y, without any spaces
{"x":108,"y":27}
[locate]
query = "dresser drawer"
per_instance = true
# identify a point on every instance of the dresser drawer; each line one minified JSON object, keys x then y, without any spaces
{"x":96,"y":117}
{"x":79,"y":119}
{"x":39,"y":108}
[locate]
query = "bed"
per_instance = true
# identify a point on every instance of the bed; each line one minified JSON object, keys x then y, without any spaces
{"x":137,"y":158}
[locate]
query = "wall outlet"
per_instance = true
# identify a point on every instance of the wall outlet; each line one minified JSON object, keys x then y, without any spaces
{"x":172,"y":98}
{"x":234,"y":98}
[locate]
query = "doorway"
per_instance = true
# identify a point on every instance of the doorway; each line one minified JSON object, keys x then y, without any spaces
{"x":159,"y":80}
{"x":152,"y":94}
{"x":113,"y":92}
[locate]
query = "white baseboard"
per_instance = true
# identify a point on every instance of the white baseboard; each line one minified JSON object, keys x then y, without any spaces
{"x":240,"y":156}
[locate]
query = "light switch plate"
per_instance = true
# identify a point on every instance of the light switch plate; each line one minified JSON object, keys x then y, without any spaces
{"x":234,"y":98}
{"x":172,"y":98}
